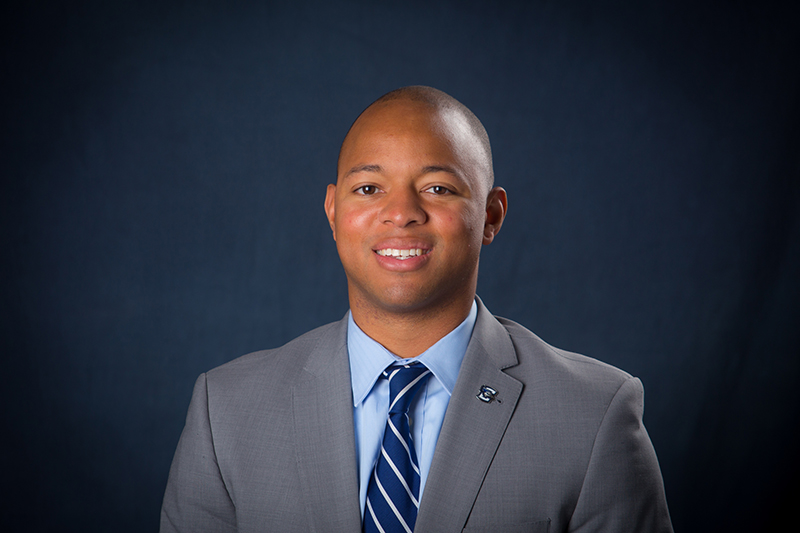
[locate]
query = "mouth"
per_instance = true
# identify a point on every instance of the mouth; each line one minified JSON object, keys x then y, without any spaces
{"x":402,"y":253}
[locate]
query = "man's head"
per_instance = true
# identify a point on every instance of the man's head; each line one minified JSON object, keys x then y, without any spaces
{"x":413,"y":203}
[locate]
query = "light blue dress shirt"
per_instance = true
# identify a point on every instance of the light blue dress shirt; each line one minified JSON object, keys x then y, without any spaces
{"x":371,"y":395}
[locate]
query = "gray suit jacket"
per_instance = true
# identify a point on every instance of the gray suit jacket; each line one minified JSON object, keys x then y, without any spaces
{"x":269,"y":444}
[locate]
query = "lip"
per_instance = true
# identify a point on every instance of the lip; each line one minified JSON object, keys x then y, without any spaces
{"x":401,"y":244}
{"x":402,"y":265}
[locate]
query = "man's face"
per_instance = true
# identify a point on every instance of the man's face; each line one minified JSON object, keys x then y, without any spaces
{"x":408,"y":212}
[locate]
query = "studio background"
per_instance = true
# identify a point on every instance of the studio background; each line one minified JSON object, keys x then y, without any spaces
{"x":163,"y":172}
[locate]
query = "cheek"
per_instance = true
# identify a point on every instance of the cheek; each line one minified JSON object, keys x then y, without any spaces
{"x":352,"y":220}
{"x":353,"y":228}
{"x":472,"y":223}
{"x":358,"y":220}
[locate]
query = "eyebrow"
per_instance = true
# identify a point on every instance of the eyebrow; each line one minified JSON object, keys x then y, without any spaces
{"x":425,"y":170}
{"x":439,"y":168}
{"x":363,"y":168}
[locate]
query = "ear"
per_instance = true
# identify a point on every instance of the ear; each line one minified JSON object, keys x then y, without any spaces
{"x":496,"y":209}
{"x":330,"y":207}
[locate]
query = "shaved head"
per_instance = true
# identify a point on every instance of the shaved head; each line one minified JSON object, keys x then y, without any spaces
{"x":457,"y":114}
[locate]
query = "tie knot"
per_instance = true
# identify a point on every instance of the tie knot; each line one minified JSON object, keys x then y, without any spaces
{"x":404,"y":382}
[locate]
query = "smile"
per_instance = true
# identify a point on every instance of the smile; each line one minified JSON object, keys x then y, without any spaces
{"x":401,"y":254}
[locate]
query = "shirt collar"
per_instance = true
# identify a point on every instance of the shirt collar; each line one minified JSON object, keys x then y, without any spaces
{"x":368,"y":358}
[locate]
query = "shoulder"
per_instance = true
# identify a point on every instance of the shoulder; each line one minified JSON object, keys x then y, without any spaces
{"x":563,"y":374}
{"x":283,"y":364}
{"x":527,"y":342}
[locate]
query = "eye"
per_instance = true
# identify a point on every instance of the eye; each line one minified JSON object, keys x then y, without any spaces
{"x":367,"y":190}
{"x":439,"y":190}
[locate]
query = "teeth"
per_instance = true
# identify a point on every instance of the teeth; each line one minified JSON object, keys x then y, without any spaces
{"x":400,"y":254}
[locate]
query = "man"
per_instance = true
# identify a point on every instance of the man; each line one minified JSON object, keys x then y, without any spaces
{"x":497,"y":431}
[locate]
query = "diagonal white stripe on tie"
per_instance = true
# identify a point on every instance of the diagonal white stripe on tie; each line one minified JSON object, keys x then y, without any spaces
{"x":402,"y":393}
{"x":399,"y":476}
{"x":392,"y":505}
{"x":375,"y":518}
{"x":402,"y":440}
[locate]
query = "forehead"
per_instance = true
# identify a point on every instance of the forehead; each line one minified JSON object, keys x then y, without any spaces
{"x":417,"y":129}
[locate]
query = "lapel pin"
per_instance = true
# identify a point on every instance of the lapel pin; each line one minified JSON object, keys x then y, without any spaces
{"x":487,"y":394}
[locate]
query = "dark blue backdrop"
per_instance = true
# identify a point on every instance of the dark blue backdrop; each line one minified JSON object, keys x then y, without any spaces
{"x":163,"y":172}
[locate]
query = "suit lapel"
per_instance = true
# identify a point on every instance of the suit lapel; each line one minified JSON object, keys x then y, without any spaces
{"x":472,"y":429}
{"x":322,"y":404}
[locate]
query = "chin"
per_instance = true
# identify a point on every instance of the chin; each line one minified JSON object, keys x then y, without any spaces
{"x":400,"y":303}
{"x":403,"y":300}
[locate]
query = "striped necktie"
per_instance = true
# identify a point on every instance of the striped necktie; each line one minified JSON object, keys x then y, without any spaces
{"x":393,"y":492}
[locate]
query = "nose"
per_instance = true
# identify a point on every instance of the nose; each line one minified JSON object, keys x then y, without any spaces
{"x":403,"y":207}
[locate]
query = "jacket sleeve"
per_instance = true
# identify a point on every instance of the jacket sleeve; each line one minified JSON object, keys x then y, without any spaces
{"x":623,"y":489}
{"x":196,"y":498}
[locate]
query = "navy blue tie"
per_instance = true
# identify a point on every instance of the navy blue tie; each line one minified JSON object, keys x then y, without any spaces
{"x":393,"y":492}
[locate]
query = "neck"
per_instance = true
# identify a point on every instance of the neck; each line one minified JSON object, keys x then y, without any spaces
{"x":409,"y":333}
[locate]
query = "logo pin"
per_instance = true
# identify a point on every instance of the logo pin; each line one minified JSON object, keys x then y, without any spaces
{"x":487,"y":394}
